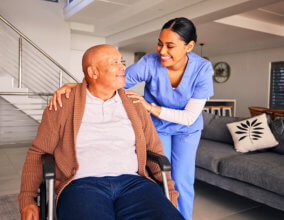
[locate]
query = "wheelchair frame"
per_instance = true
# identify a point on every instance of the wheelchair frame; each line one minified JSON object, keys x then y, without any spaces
{"x":47,"y":208}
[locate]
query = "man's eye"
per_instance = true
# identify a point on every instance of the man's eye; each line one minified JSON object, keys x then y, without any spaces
{"x":159,"y":44}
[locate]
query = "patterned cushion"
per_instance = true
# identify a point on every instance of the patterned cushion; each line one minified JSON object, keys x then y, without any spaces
{"x":252,"y":134}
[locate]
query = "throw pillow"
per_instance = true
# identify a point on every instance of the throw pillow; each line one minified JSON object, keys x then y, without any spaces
{"x":252,"y":134}
{"x":215,"y":128}
{"x":277,"y":128}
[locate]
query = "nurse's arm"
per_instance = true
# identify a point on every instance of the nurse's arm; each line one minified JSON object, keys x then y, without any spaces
{"x":137,"y":73}
{"x":185,"y":117}
{"x":56,"y":98}
{"x":151,"y":108}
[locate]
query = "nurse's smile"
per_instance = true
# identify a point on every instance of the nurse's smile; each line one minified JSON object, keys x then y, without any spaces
{"x":164,"y":59}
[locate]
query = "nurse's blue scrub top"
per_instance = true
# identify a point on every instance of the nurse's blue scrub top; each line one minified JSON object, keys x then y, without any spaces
{"x":196,"y":83}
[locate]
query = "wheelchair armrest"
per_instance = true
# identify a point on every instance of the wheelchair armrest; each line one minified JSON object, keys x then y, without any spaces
{"x":162,"y":160}
{"x":48,"y":166}
{"x":165,"y":166}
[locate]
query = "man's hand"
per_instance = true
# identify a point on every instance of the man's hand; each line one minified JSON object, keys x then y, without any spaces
{"x":66,"y":89}
{"x":30,"y":212}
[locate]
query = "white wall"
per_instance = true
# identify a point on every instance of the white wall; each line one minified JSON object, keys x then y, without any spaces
{"x":250,"y":78}
{"x":128,"y":56}
{"x":79,"y":44}
{"x":42,"y":22}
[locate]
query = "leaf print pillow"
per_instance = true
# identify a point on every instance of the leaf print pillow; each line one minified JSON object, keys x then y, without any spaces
{"x":252,"y":134}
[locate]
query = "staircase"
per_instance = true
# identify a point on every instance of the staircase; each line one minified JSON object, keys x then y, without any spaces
{"x":28,"y":77}
{"x":33,"y":106}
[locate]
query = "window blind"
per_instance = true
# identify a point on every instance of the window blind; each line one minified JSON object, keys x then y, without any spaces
{"x":277,"y":85}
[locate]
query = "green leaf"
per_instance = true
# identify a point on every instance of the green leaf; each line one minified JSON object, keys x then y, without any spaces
{"x":248,"y":123}
{"x":241,"y":138}
{"x":244,"y":125}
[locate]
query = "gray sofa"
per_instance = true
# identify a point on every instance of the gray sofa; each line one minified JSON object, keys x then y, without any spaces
{"x":257,"y":175}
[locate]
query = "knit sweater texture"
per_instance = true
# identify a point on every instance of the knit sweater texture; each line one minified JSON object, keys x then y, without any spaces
{"x":57,"y":134}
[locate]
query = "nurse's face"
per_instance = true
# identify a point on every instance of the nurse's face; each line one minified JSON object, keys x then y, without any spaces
{"x":172,"y":49}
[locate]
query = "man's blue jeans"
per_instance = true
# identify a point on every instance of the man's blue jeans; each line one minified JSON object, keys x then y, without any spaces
{"x":121,"y":197}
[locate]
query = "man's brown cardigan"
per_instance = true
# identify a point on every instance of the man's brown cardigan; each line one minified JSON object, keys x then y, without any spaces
{"x":57,"y":135}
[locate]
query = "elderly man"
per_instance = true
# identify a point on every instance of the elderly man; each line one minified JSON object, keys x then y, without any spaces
{"x":99,"y":140}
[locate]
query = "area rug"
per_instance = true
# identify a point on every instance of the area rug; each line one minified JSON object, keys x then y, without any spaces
{"x":9,"y":207}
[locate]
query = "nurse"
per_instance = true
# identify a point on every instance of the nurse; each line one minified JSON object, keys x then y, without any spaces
{"x":177,"y":84}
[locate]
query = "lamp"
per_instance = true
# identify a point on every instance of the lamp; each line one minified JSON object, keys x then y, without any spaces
{"x":201,"y":47}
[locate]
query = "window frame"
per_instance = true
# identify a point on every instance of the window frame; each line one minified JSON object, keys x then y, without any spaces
{"x":273,"y":66}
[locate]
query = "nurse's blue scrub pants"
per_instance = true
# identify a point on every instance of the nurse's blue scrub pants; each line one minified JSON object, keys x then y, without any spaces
{"x":115,"y":198}
{"x":181,"y":151}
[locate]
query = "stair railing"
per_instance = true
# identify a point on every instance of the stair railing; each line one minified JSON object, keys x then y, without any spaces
{"x":40,"y":74}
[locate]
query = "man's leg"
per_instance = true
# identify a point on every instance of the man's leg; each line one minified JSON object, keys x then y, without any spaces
{"x":140,"y":198}
{"x":167,"y":145}
{"x":86,"y":198}
{"x":183,"y":170}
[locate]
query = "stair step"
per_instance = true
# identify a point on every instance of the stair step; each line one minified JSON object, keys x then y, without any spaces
{"x":22,"y":99}
{"x":33,"y":107}
{"x":33,"y":112}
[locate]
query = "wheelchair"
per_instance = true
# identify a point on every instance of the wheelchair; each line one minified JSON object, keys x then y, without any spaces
{"x":46,"y":198}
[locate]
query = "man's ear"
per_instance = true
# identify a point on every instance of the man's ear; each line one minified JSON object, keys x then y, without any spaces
{"x":190,"y":46}
{"x":91,"y":72}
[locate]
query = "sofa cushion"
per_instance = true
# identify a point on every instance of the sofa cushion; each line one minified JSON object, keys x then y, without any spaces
{"x":277,"y":128}
{"x":215,"y":127}
{"x":210,"y":153}
{"x":252,"y":134}
{"x":264,"y":170}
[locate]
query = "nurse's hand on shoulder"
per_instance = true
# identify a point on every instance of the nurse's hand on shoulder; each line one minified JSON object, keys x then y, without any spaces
{"x":138,"y":99}
{"x":30,"y":212}
{"x":56,"y":98}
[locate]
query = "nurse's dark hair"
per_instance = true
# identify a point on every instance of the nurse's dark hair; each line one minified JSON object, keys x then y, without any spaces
{"x":183,"y":27}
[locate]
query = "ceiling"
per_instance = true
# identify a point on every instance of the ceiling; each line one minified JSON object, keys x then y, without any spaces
{"x":224,"y":26}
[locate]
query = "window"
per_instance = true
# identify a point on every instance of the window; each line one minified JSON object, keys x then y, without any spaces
{"x":277,"y":85}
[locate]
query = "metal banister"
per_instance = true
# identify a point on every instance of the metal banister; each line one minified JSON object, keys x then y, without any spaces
{"x":36,"y":47}
{"x":27,"y":93}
